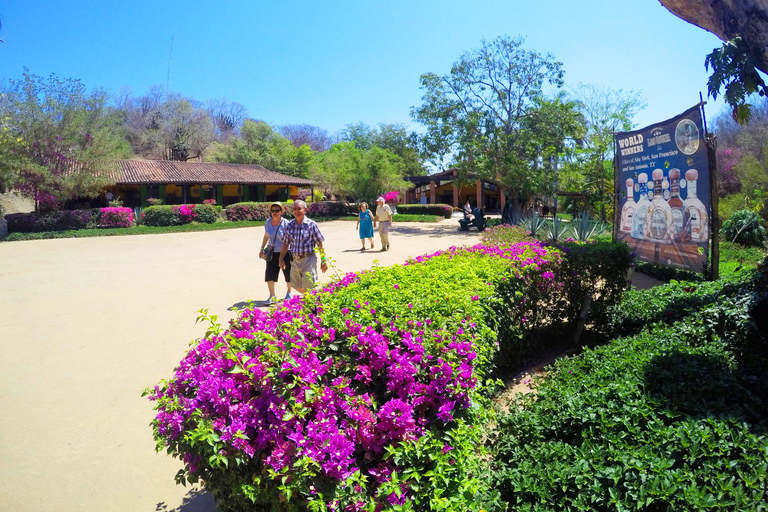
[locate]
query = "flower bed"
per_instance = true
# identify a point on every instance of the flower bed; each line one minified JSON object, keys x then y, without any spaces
{"x":368,"y":393}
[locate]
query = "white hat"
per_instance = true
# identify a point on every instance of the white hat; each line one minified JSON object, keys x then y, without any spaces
{"x":380,"y":199}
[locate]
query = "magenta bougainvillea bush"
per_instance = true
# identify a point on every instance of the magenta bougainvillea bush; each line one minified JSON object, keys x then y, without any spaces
{"x":368,"y":394}
{"x":115,"y":217}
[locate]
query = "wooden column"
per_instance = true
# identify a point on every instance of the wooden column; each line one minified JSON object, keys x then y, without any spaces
{"x":431,"y":192}
{"x":479,"y":189}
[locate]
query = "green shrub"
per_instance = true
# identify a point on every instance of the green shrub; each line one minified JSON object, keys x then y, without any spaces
{"x":640,"y":309}
{"x":161,"y":215}
{"x":594,"y":270}
{"x":504,"y":234}
{"x":745,"y":227}
{"x":664,"y":420}
{"x":441,"y":210}
{"x":727,"y":206}
{"x":206,"y":213}
{"x":337,"y":360}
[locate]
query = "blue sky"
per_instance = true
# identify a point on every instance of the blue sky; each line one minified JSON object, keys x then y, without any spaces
{"x":332,"y":63}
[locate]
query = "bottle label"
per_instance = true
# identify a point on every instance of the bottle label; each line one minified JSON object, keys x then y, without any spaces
{"x":677,"y":220}
{"x":658,"y":226}
{"x":626,"y":222}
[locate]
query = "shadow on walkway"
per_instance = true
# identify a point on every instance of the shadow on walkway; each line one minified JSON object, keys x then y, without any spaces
{"x":196,"y":500}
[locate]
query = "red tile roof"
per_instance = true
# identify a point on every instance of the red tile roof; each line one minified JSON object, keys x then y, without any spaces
{"x":139,"y":172}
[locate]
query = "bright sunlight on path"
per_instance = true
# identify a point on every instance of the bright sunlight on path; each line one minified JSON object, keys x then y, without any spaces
{"x":87,"y":324}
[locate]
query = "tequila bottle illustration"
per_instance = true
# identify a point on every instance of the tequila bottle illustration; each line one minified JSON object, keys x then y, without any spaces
{"x":658,"y":222}
{"x":641,"y":208}
{"x":628,"y":210}
{"x":677,"y":204}
{"x":695,"y":217}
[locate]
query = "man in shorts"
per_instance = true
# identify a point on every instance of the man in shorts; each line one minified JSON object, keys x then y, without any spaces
{"x":301,"y":236}
{"x":384,"y":219}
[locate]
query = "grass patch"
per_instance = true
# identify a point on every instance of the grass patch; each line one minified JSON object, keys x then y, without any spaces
{"x":138,"y":230}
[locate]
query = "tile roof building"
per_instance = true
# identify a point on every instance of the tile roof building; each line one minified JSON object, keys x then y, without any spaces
{"x":178,"y":182}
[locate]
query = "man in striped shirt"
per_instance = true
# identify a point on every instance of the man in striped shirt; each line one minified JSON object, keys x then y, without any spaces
{"x":301,"y":236}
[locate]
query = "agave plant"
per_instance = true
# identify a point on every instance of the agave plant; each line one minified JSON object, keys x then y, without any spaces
{"x":585,"y":229}
{"x":137,"y":211}
{"x":556,"y":231}
{"x":533,"y":224}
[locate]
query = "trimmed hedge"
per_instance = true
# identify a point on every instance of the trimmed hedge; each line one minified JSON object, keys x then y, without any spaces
{"x":441,"y":210}
{"x":176,"y":215}
{"x":665,"y":420}
{"x":260,"y":211}
{"x":52,"y":221}
{"x":247,"y":211}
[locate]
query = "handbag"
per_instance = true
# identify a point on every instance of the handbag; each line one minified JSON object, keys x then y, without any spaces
{"x":269,"y":250}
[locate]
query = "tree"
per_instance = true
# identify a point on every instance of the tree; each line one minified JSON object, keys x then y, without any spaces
{"x":167,"y":126}
{"x":59,"y":141}
{"x":259,"y":144}
{"x":306,"y":134}
{"x":743,"y":26}
{"x":390,"y":136}
{"x":604,"y":112}
{"x":358,"y":174}
{"x":478,"y":114}
{"x":227,"y":117}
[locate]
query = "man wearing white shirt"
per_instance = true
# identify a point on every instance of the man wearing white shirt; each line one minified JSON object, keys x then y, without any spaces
{"x":384,"y":218}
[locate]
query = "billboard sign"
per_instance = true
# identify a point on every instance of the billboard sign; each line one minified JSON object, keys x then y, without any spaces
{"x":664,"y":192}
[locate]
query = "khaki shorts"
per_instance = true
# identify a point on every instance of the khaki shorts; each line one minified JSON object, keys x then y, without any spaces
{"x":304,"y":271}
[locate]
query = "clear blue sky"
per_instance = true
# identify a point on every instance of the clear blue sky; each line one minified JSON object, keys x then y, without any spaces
{"x":331,"y":63}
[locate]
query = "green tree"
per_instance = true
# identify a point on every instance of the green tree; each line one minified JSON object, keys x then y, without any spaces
{"x":358,"y":174}
{"x":392,"y":137}
{"x":478,"y":114}
{"x":59,"y":142}
{"x":605,"y":112}
{"x":259,"y":144}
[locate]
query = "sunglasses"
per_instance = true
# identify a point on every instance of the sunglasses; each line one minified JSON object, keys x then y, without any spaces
{"x":277,"y":211}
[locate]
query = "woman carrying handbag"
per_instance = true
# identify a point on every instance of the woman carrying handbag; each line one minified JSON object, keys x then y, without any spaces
{"x":271,"y":245}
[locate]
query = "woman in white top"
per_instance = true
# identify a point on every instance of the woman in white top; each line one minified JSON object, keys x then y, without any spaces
{"x":274,"y":229}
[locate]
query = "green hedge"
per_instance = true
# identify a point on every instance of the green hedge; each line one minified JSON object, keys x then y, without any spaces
{"x":664,"y":420}
{"x":176,"y":215}
{"x":441,"y":210}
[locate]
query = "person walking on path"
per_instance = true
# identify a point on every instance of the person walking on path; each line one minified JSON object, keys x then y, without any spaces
{"x":384,"y":219}
{"x":301,"y":237}
{"x":274,"y":231}
{"x":365,"y":224}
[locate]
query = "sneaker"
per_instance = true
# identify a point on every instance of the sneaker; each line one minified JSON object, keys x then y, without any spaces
{"x":271,"y":300}
{"x":288,"y":296}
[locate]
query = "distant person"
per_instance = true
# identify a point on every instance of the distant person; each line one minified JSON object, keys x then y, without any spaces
{"x":271,"y":248}
{"x":365,"y":225}
{"x":301,"y":237}
{"x":467,"y":210}
{"x":384,"y":219}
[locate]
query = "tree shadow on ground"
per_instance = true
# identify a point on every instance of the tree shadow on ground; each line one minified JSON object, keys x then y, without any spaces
{"x":702,"y":386}
{"x":435,"y":231}
{"x":196,"y":500}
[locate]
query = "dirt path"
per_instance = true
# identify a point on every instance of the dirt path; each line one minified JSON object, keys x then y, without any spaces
{"x":86,"y":324}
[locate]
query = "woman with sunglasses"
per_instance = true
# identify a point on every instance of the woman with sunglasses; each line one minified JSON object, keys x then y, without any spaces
{"x":274,"y":230}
